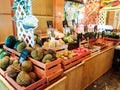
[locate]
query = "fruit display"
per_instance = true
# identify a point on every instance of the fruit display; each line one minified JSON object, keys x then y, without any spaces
{"x":66,"y":54}
{"x":43,"y":55}
{"x":53,"y":44}
{"x":58,"y":34}
{"x":70,"y":39}
{"x":20,"y":75}
{"x":81,"y":51}
{"x":23,"y":73}
{"x":101,"y":43}
{"x":12,"y":43}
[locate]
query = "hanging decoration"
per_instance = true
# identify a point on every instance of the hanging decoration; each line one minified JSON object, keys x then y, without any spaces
{"x":72,"y":11}
{"x":92,"y":11}
{"x":26,"y":23}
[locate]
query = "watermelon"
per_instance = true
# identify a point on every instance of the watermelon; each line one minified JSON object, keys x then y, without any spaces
{"x":10,"y":41}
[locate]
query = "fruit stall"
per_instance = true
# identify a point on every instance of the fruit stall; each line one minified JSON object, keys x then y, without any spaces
{"x":68,"y":60}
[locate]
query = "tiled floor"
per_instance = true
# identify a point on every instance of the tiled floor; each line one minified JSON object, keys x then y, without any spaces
{"x":109,"y":81}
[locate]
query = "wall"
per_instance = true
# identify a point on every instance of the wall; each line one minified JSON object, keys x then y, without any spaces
{"x":74,"y":11}
{"x":58,"y":14}
{"x":43,"y":10}
{"x":6,"y":24}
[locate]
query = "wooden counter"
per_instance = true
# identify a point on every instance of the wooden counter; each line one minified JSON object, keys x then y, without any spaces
{"x":96,"y":66}
{"x":82,"y":75}
{"x":59,"y":85}
{"x":4,"y":85}
{"x":74,"y":77}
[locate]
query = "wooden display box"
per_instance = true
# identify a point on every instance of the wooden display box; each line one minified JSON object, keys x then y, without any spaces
{"x":73,"y":46}
{"x":51,"y":70}
{"x":66,"y":64}
{"x":2,"y":72}
{"x":53,"y":77}
{"x":11,"y":50}
{"x":111,"y":39}
{"x":42,"y":83}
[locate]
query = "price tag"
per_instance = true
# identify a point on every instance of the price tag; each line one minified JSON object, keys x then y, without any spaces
{"x":23,"y":55}
{"x":49,"y":24}
{"x":65,"y":24}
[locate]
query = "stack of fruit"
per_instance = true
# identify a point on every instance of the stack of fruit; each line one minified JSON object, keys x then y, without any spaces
{"x":53,"y":44}
{"x":81,"y":51}
{"x":70,"y":39}
{"x":22,"y":73}
{"x":43,"y":55}
{"x":66,"y":55}
{"x":12,"y":43}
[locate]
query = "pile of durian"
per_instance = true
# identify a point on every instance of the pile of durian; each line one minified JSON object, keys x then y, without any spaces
{"x":22,"y":73}
{"x":43,"y":55}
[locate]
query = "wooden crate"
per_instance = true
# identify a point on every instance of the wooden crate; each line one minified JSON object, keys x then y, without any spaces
{"x":66,"y":64}
{"x":42,"y":83}
{"x":2,"y":72}
{"x":47,"y":68}
{"x":52,"y":77}
{"x":66,"y":67}
{"x":115,"y":41}
{"x":6,"y":84}
{"x":58,"y":85}
{"x":51,"y":70}
{"x":11,"y":50}
{"x":111,"y":39}
{"x":74,"y":77}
